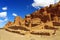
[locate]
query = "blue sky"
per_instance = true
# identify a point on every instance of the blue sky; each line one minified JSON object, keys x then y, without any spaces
{"x":11,"y":8}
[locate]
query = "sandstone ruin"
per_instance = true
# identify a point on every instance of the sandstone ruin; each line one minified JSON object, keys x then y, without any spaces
{"x":42,"y":21}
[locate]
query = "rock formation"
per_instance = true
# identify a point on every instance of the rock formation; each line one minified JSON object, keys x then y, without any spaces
{"x":8,"y":24}
{"x":40,"y":21}
{"x":51,"y":11}
{"x":17,"y":21}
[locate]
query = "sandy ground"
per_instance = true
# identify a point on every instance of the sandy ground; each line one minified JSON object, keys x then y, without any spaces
{"x":5,"y":35}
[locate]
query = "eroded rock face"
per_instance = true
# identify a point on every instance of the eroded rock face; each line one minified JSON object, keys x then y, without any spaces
{"x":37,"y":20}
{"x":8,"y":24}
{"x":17,"y":21}
{"x":52,"y":10}
{"x":28,"y":20}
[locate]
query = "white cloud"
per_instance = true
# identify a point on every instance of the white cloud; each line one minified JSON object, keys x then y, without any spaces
{"x":3,"y":14}
{"x":1,"y":21}
{"x":4,"y":8}
{"x":14,"y":14}
{"x":43,"y":3}
{"x":6,"y":19}
{"x":57,"y":1}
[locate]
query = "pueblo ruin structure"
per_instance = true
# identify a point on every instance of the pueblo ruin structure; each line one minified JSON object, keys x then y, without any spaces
{"x":43,"y":22}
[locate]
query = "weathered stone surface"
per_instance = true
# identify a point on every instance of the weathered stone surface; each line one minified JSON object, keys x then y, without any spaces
{"x":8,"y":24}
{"x":17,"y":21}
{"x":52,"y":10}
{"x":36,"y":21}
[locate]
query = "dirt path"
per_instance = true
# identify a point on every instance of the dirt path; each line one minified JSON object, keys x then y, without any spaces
{"x":5,"y":35}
